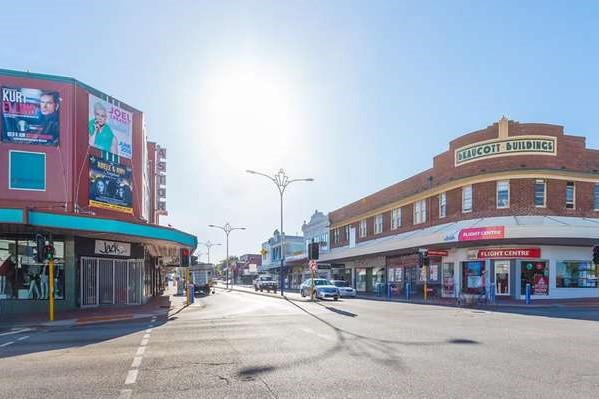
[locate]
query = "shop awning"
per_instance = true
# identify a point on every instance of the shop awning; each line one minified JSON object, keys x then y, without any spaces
{"x":550,"y":230}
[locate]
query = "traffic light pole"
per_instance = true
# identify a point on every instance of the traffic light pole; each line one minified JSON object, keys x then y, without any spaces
{"x":51,"y":288}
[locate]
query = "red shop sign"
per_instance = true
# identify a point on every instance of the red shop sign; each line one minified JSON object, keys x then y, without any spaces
{"x":436,"y":252}
{"x":482,"y":233}
{"x":509,"y":253}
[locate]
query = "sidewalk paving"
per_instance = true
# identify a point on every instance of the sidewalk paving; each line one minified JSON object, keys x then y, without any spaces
{"x":166,"y":304}
{"x":294,"y":295}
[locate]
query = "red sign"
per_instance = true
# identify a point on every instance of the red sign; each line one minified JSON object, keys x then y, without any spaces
{"x":312,"y":265}
{"x":482,"y":233}
{"x":509,"y":253}
{"x":436,"y":252}
{"x":541,"y":285}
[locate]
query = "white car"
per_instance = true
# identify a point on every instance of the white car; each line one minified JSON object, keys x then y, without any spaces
{"x":322,"y":289}
{"x":344,"y":289}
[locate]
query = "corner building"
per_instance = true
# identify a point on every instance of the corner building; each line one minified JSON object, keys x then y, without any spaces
{"x":506,"y":206}
{"x":77,"y":169}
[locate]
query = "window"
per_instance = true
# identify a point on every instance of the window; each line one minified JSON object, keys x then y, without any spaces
{"x":503,"y":194}
{"x":22,"y":277}
{"x":540,"y":193}
{"x":467,"y":199}
{"x":27,"y":171}
{"x":576,"y":274}
{"x":537,"y":275}
{"x":347,"y":232}
{"x":363,"y":228}
{"x":442,"y":205}
{"x":378,"y":224}
{"x":395,"y":218}
{"x":473,"y":277}
{"x":420,"y":212}
{"x":336,"y":236}
{"x":596,"y":197}
{"x":570,"y":195}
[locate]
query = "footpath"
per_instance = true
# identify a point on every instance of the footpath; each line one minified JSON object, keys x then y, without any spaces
{"x":293,"y":295}
{"x":167,"y":304}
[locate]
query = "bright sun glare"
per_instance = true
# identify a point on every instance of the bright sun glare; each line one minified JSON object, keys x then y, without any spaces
{"x":251,"y":113}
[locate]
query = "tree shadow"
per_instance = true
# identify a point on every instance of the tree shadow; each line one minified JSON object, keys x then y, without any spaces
{"x":384,"y":352}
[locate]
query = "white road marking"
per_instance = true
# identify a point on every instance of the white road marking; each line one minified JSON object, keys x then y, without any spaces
{"x":6,"y":344}
{"x":149,"y":330}
{"x":15,"y":332}
{"x":22,"y":338}
{"x":146,"y":336}
{"x":131,"y":377}
{"x":125,"y":393}
{"x":144,"y":342}
{"x":136,"y":362}
{"x":140,"y":351}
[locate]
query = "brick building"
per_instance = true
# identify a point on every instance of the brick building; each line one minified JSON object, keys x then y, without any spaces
{"x":508,"y":205}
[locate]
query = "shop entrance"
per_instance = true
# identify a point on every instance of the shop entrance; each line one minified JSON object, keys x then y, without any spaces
{"x":111,"y":281}
{"x":413,"y":277}
{"x":502,"y":278}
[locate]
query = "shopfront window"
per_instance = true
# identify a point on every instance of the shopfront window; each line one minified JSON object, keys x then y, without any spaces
{"x":502,"y":277}
{"x":576,"y":274}
{"x":448,"y":281}
{"x":535,"y":273}
{"x":22,"y":277}
{"x":361,"y":279}
{"x":473,"y":277}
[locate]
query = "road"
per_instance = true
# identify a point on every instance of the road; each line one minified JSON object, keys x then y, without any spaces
{"x":240,"y":345}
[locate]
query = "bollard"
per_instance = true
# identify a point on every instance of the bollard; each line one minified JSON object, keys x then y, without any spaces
{"x":527,"y":300}
{"x":408,"y":289}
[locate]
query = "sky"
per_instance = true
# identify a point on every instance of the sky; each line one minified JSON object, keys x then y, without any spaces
{"x":356,"y":94}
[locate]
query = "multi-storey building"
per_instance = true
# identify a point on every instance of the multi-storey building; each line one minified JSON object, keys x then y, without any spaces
{"x":77,"y":170}
{"x":271,"y":253}
{"x":506,"y":206}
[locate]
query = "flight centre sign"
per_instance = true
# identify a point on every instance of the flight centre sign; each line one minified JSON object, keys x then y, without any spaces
{"x":517,"y":145}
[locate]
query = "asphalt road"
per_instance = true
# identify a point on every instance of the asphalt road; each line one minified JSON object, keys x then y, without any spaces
{"x":239,"y":345}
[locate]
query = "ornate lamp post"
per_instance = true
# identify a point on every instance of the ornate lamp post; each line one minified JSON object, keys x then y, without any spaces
{"x":227,"y":229}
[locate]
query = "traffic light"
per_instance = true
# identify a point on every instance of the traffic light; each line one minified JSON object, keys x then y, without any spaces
{"x":49,"y":251}
{"x":423,"y":259}
{"x":313,"y":251}
{"x":184,"y":256}
{"x":40,"y":244}
{"x":596,"y":254}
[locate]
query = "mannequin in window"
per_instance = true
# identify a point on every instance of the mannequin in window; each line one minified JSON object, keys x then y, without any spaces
{"x":7,"y":271}
{"x":34,"y":291}
{"x":44,"y":283}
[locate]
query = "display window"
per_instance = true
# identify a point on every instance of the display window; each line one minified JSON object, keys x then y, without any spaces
{"x":448,"y":280}
{"x":22,"y":277}
{"x":535,"y":273}
{"x":576,"y":274}
{"x":473,"y":277}
{"x":361,"y":279}
{"x":502,"y":277}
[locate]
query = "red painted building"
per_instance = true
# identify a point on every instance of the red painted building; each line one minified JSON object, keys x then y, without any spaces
{"x":78,"y":170}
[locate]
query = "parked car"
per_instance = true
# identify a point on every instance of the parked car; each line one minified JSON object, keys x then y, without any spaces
{"x":344,"y":288}
{"x":322,"y":289}
{"x":265,"y":283}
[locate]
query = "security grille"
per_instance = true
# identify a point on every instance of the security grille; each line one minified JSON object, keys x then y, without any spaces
{"x":111,"y":281}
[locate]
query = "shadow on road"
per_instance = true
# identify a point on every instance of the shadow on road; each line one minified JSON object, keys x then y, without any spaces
{"x":381,"y":351}
{"x":338,"y":311}
{"x":56,"y":338}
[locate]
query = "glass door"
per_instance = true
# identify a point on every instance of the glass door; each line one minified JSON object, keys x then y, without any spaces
{"x":502,"y":277}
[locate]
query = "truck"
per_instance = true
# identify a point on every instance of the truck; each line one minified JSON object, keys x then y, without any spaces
{"x":201,"y":276}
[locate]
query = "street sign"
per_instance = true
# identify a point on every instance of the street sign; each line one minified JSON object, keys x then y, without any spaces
{"x":436,"y":252}
{"x":312,"y":265}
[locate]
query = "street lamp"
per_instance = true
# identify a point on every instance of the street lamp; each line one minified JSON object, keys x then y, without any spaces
{"x":227,"y":229}
{"x":281,"y":180}
{"x":208,"y":245}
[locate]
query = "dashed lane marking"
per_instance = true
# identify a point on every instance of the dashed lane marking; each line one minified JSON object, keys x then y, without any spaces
{"x":125,"y":393}
{"x":22,"y":338}
{"x":144,"y":342}
{"x":6,"y":344}
{"x":140,"y":351}
{"x":22,"y":330}
{"x":131,"y":377}
{"x":136,"y":362}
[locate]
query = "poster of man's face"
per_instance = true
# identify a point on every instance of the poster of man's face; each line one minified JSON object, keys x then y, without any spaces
{"x":30,"y":116}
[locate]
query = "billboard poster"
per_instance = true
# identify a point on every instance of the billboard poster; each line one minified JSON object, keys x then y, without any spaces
{"x":110,"y":127}
{"x":110,"y":185}
{"x":30,"y":116}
